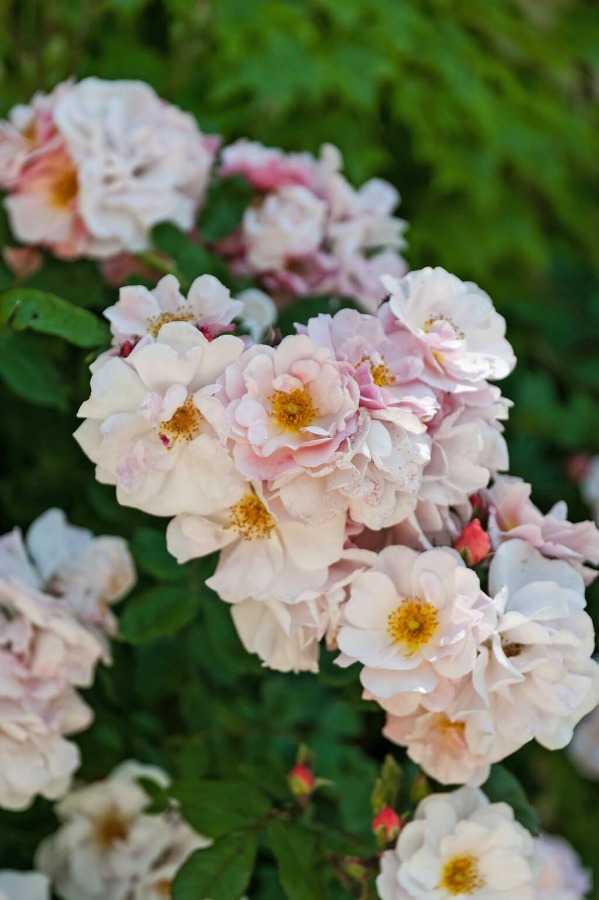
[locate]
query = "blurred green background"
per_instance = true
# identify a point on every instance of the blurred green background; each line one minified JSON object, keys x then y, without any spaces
{"x":485,"y":116}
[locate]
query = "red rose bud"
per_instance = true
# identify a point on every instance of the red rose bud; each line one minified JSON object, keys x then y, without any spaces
{"x":479,"y":506}
{"x":386,"y":825}
{"x":577,"y":466}
{"x":473,"y":543}
{"x":301,"y":781}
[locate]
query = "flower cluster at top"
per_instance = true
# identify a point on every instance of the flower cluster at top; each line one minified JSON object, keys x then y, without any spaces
{"x":56,"y":590}
{"x":92,"y":167}
{"x":349,"y":473}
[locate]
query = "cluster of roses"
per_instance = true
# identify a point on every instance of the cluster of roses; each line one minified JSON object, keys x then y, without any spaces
{"x":55,"y":597}
{"x":92,"y":167}
{"x":336,"y":472}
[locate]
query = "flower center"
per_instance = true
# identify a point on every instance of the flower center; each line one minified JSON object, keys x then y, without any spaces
{"x":455,"y":730}
{"x":461,"y":876}
{"x":380,"y":373}
{"x":163,"y":888}
{"x":111,"y":827}
{"x":185,"y":424}
{"x":64,"y":186}
{"x":294,"y":410}
{"x":512,"y":648}
{"x":180,"y":315}
{"x":438,"y":318}
{"x":413,"y":623}
{"x":251,"y":519}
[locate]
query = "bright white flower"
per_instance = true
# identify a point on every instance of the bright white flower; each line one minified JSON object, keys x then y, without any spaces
{"x":461,"y":334}
{"x":288,"y":224}
{"x":584,"y":749}
{"x":24,"y":886}
{"x":108,"y":847}
{"x":535,"y":677}
{"x":140,"y":311}
{"x":139,"y":161}
{"x":513,"y":515}
{"x":258,"y":313}
{"x":562,"y":876}
{"x":264,"y":550}
{"x":413,"y":619}
{"x":44,"y":654}
{"x":459,"y":844}
{"x":146,"y":427}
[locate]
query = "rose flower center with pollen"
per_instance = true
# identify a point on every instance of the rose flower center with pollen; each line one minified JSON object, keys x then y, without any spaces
{"x":64,"y":186}
{"x":294,"y":410}
{"x":111,"y":827}
{"x":438,"y":318}
{"x":180,"y":315}
{"x":251,"y":519}
{"x":380,"y":373}
{"x":461,"y":876}
{"x":413,"y":623}
{"x":185,"y":424}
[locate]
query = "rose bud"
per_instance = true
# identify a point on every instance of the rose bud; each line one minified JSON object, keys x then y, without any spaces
{"x":473,"y":543}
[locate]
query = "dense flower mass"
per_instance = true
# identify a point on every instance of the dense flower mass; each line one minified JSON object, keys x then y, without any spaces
{"x":109,"y":847}
{"x":90,"y":168}
{"x":55,"y":594}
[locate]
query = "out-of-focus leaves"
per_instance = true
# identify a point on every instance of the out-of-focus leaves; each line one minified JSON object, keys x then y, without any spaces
{"x":23,"y":308}
{"x":30,"y":374}
{"x":220,"y":872}
{"x":150,"y":553}
{"x":157,"y":611}
{"x":225,"y":204}
{"x":301,"y":869}
{"x":215,"y":808}
{"x":502,"y":786}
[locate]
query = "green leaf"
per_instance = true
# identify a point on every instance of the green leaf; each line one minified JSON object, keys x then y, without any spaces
{"x":501,"y":785}
{"x":25,"y":308}
{"x":149,"y":549}
{"x":220,"y":872}
{"x":29,"y":373}
{"x":299,"y":861}
{"x":226,"y":202}
{"x":158,"y":611}
{"x":215,"y":808}
{"x":387,"y":786}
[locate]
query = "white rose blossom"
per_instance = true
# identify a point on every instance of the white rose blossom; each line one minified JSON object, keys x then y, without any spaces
{"x":23,"y":886}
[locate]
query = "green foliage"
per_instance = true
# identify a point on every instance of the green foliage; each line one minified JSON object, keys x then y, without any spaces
{"x":156,"y":612}
{"x":300,"y":865}
{"x":215,"y":808}
{"x":22,"y":309}
{"x":221,"y":872}
{"x":225,"y":204}
{"x":501,"y":785}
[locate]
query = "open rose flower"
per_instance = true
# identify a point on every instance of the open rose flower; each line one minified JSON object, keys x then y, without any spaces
{"x":287,"y":408}
{"x":459,"y":844}
{"x":461,"y":334}
{"x":145,"y":426}
{"x":413,"y":620}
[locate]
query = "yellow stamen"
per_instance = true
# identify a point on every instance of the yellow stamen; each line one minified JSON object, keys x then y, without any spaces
{"x":180,"y":315}
{"x":111,"y":827}
{"x":185,"y":424}
{"x":380,"y":373}
{"x":251,"y":519}
{"x":64,"y":186}
{"x":294,"y":410}
{"x":461,"y":876}
{"x":413,"y":623}
{"x":432,"y":319}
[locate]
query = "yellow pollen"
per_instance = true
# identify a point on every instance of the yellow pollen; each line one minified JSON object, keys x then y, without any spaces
{"x":432,"y":319}
{"x":163,"y":888}
{"x":413,"y":623}
{"x":180,"y":315}
{"x":251,"y":519}
{"x":185,"y":424}
{"x":461,"y":876}
{"x":456,"y":729}
{"x":111,"y":827}
{"x":64,"y":186}
{"x":380,"y":373}
{"x":294,"y":410}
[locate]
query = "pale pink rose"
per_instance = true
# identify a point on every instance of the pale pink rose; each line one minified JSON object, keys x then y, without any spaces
{"x":414,"y":619}
{"x":287,"y":408}
{"x":362,"y":277}
{"x":258,"y":313}
{"x":265,"y":167}
{"x":287,"y":224}
{"x":264,"y":549}
{"x":139,"y":311}
{"x":513,"y":515}
{"x":562,"y":876}
{"x":534,"y":677}
{"x":147,"y":429}
{"x":23,"y":886}
{"x":44,"y":654}
{"x":584,"y":749}
{"x":460,"y":844}
{"x":108,"y":846}
{"x":462,"y":335}
{"x":139,"y":161}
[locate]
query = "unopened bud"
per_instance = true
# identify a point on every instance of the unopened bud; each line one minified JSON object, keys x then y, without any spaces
{"x":301,"y":781}
{"x":420,"y":789}
{"x":473,"y":543}
{"x":386,"y":826}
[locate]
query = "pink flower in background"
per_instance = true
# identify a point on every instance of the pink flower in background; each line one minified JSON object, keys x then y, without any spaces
{"x":562,"y":876}
{"x":265,"y":167}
